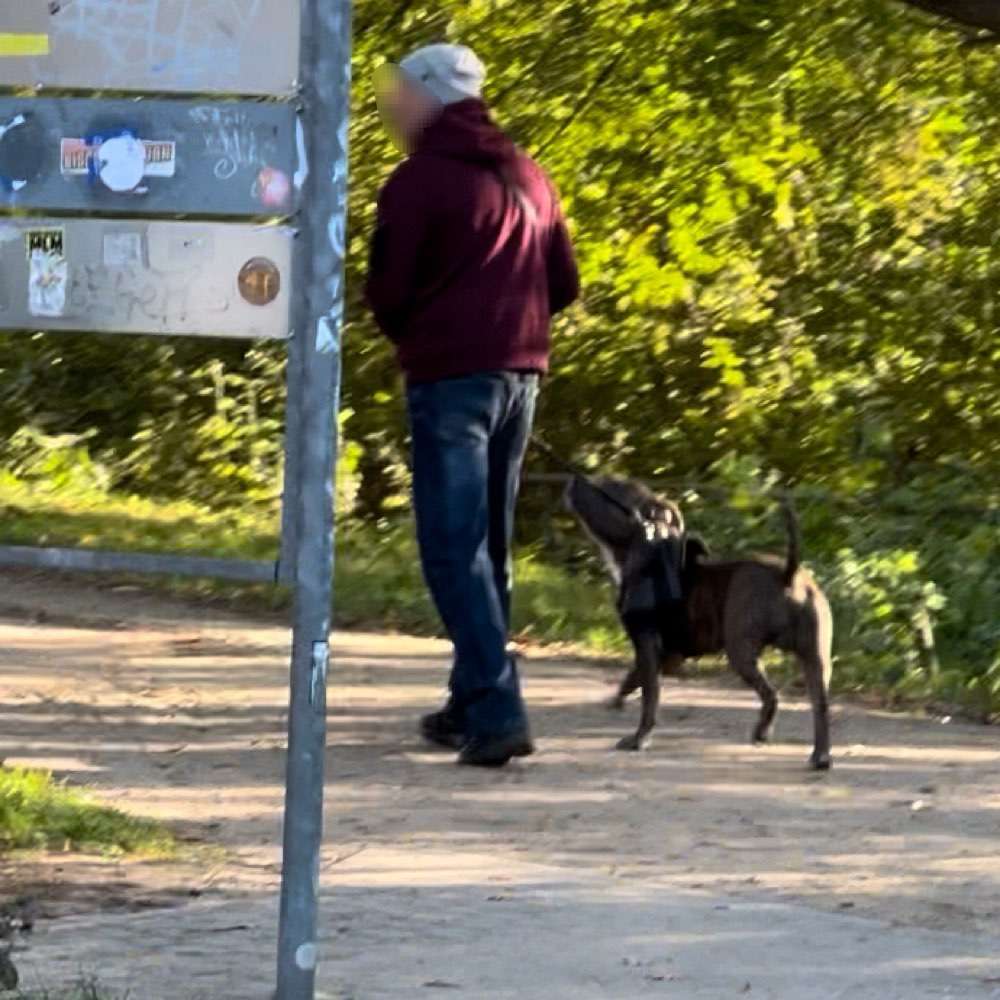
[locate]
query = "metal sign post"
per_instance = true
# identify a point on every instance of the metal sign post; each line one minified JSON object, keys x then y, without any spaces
{"x":318,"y":319}
{"x":160,"y":213}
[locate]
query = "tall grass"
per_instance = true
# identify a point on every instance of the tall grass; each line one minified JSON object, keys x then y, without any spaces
{"x":36,"y":811}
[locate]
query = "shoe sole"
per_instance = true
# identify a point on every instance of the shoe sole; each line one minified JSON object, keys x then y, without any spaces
{"x":525,"y":749}
{"x":457,"y":742}
{"x":444,"y":742}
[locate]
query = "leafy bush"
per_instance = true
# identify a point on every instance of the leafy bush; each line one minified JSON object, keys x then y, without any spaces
{"x":61,"y":463}
{"x":885,"y":610}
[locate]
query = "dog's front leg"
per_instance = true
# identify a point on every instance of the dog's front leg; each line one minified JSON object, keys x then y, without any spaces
{"x":671,"y":665}
{"x":630,"y":682}
{"x":647,"y":670}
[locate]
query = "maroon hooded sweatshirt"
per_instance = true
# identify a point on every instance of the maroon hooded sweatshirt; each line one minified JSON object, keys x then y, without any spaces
{"x":471,"y":257}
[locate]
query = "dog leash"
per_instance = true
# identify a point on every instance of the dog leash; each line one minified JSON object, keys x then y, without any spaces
{"x":574,"y":470}
{"x":784,"y":496}
{"x":650,"y":526}
{"x":550,"y":453}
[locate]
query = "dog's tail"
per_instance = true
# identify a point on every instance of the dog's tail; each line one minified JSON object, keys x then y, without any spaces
{"x":794,"y":557}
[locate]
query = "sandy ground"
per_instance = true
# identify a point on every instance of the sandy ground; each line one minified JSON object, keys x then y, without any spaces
{"x":704,"y":868}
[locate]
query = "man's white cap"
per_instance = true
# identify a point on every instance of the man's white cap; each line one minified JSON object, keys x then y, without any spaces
{"x":451,"y":73}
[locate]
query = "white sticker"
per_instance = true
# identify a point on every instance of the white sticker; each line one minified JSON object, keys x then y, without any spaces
{"x":13,"y":123}
{"x":74,"y":157}
{"x":161,"y":158}
{"x":320,"y":665}
{"x":122,"y":250}
{"x":118,"y":156}
{"x":121,"y":163}
{"x":305,"y":957}
{"x":48,"y":276}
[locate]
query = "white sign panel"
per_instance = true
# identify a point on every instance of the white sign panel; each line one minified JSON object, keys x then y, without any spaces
{"x":197,"y":46}
{"x":117,"y":276}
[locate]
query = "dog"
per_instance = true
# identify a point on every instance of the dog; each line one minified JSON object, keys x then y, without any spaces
{"x":738,"y":606}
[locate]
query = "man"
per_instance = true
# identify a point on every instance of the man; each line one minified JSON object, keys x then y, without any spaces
{"x":470,"y":260}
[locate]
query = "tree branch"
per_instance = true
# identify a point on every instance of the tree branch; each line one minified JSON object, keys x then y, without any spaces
{"x":982,"y":15}
{"x":609,"y":67}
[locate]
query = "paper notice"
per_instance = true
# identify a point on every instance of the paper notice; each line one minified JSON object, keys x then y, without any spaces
{"x":48,"y":276}
{"x":122,"y":250}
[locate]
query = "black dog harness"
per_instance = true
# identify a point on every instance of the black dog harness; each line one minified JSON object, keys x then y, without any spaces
{"x":651,"y":594}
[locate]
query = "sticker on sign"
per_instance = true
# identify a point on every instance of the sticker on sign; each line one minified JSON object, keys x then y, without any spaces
{"x":122,"y":250}
{"x":104,"y":158}
{"x":21,"y":43}
{"x":52,"y":241}
{"x":48,"y":271}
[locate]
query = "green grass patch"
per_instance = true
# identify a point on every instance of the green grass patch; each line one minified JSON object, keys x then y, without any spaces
{"x":379,"y":583}
{"x":37,"y":514}
{"x":879,"y":586}
{"x":36,"y":811}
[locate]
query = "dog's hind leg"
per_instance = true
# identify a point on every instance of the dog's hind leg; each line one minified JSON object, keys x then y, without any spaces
{"x":743,"y":659}
{"x":647,"y":670}
{"x":817,"y":669}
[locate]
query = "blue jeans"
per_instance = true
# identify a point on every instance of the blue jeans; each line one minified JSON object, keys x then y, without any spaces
{"x":469,"y":438}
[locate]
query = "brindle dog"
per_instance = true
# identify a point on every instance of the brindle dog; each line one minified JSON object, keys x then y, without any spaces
{"x":737,"y":606}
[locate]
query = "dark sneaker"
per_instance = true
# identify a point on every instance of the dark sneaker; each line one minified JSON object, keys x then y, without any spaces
{"x":497,"y":750}
{"x":443,"y":729}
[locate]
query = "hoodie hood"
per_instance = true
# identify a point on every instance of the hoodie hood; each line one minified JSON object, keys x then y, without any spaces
{"x":466,"y":131}
{"x":471,"y":256}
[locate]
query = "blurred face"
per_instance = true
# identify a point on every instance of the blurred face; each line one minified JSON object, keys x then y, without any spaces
{"x":406,"y":108}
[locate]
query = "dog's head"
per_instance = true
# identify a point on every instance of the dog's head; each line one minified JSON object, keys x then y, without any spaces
{"x":615,"y":513}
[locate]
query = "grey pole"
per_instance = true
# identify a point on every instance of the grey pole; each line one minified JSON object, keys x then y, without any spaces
{"x":317,"y":322}
{"x":293,"y":441}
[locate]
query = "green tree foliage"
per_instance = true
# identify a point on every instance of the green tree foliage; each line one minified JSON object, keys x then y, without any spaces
{"x":786,"y":214}
{"x":786,"y":219}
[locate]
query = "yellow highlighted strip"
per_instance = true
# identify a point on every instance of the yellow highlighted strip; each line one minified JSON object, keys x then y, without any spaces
{"x":19,"y":44}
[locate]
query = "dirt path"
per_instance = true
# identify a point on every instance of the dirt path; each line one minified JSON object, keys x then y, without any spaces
{"x":180,"y":714}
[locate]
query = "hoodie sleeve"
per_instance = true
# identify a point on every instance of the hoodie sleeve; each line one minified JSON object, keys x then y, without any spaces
{"x":395,"y":250}
{"x":564,"y":277}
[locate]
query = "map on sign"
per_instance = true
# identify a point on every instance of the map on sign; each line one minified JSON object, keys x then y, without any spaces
{"x":230,"y":46}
